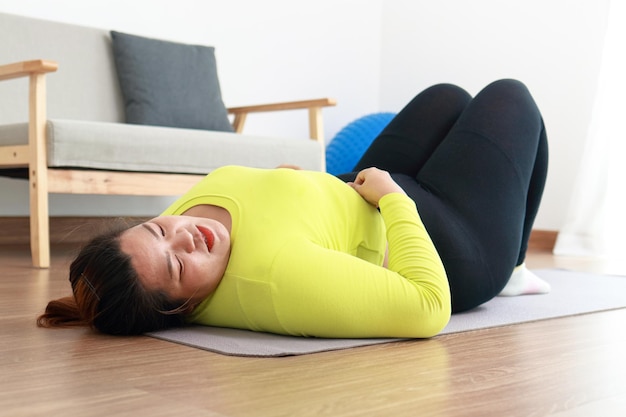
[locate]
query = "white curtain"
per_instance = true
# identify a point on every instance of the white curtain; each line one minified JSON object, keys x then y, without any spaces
{"x":595,"y":224}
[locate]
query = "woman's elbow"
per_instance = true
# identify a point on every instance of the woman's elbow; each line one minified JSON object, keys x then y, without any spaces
{"x":432,"y":321}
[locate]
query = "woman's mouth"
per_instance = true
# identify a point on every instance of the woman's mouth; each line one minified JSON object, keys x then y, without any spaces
{"x":209,"y":239}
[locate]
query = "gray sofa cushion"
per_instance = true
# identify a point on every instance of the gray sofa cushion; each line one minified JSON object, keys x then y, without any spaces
{"x":124,"y":147}
{"x":168,"y":83}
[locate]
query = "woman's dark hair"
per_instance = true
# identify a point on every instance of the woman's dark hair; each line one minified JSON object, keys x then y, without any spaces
{"x":108,"y":295}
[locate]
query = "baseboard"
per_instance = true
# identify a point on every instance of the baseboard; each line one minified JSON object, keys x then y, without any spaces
{"x":76,"y":230}
{"x":542,"y":240}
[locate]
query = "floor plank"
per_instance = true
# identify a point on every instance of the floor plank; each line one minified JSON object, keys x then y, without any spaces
{"x":572,"y":366}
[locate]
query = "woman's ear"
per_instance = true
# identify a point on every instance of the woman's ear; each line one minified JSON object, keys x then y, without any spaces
{"x":188,"y":309}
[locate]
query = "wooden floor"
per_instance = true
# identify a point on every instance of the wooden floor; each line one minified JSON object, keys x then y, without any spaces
{"x":572,"y":366}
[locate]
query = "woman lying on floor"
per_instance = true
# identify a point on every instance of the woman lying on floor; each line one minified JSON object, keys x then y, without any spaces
{"x":435,"y":220}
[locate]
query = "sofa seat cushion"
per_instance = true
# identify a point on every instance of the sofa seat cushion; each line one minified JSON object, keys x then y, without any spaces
{"x":124,"y":147}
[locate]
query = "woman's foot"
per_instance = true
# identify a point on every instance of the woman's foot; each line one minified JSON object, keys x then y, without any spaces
{"x":523,"y":282}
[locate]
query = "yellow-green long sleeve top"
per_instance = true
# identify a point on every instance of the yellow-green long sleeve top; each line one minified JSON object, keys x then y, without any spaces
{"x":307,"y":254}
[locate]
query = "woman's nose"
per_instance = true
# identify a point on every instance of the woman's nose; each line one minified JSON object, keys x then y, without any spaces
{"x":183,"y":240}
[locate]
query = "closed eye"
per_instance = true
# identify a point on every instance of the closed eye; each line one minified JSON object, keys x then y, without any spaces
{"x":181,"y":268}
{"x":168,"y":258}
{"x":180,"y":263}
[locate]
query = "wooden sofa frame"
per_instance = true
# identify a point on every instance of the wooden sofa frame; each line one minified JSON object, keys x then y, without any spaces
{"x":44,"y":180}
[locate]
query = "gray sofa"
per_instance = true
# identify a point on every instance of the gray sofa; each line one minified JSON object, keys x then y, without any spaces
{"x":65,"y":130}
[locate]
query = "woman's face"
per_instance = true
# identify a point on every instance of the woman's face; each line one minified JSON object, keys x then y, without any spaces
{"x":183,"y":256}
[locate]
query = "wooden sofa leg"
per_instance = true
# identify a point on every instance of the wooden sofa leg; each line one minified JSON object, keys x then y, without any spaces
{"x":38,"y":173}
{"x":39,"y":225}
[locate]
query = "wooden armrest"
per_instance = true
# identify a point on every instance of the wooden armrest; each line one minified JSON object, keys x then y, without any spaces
{"x":26,"y":68}
{"x":314,"y":107}
{"x":289,"y":105}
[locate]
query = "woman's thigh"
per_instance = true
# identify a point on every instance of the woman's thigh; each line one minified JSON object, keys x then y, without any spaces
{"x":481,"y":173}
{"x":414,"y":133}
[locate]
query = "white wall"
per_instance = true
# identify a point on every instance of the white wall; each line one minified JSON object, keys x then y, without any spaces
{"x":371,"y":55}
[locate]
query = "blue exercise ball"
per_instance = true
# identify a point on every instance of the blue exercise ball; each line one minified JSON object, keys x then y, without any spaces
{"x":349,"y":144}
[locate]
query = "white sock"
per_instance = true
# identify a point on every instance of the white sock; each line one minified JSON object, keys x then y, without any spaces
{"x":523,"y":281}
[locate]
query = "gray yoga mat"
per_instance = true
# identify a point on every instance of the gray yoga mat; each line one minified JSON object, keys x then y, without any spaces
{"x":572,"y":293}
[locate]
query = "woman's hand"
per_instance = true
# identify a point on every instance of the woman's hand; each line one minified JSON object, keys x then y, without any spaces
{"x":289,"y":166}
{"x":373,"y":183}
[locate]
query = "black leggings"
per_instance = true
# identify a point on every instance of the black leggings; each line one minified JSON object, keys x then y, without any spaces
{"x":476,"y":169}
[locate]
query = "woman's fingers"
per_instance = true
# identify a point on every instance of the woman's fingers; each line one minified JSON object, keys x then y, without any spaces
{"x":372,"y":184}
